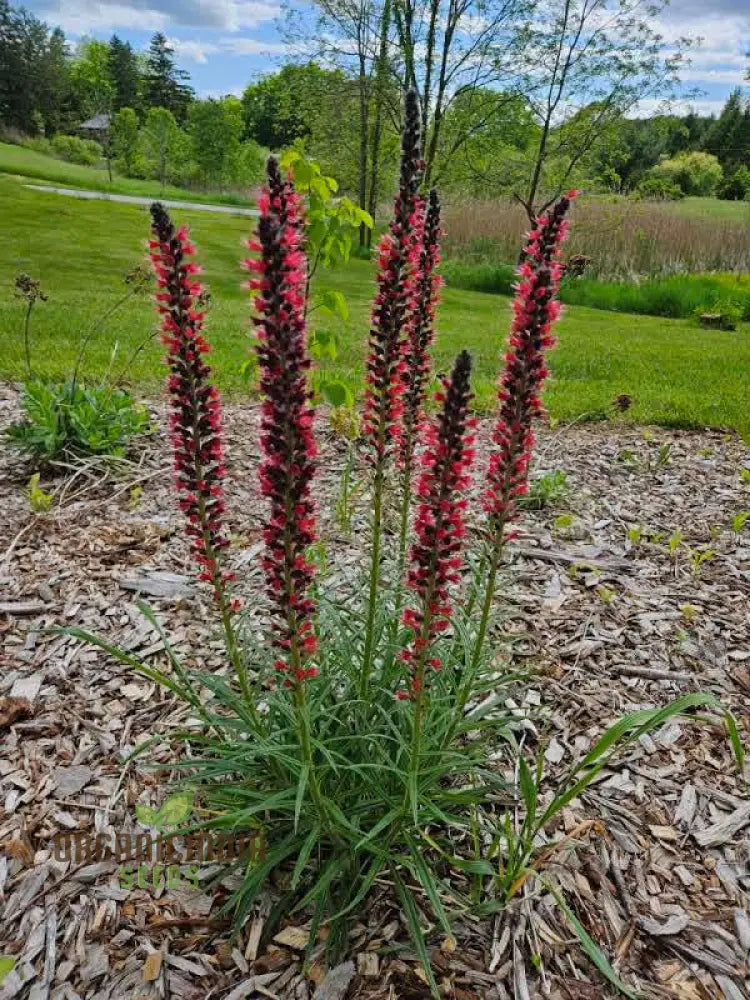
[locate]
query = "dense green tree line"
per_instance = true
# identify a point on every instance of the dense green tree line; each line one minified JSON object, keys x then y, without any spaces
{"x":47,"y":86}
{"x":543,"y":101}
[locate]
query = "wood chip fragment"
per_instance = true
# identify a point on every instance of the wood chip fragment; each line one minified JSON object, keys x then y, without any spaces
{"x":12,"y":709}
{"x":152,"y":966}
{"x":725,"y":829}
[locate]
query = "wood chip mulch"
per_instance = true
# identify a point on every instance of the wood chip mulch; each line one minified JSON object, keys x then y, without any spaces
{"x":604,"y":619}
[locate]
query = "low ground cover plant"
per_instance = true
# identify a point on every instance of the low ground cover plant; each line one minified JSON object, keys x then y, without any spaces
{"x":368,"y":738}
{"x":73,"y":419}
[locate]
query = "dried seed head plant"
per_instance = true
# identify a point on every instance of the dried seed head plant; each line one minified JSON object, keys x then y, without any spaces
{"x":367,"y":755}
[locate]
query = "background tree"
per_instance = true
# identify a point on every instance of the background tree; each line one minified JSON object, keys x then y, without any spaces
{"x":123,"y":73}
{"x":35,"y":91}
{"x":485,"y":139}
{"x":729,"y":137}
{"x":90,"y":77}
{"x":164,"y":83}
{"x":124,"y":138}
{"x":285,"y":106}
{"x":161,"y":140}
{"x":587,"y":63}
{"x":215,"y":128}
{"x":449,"y":49}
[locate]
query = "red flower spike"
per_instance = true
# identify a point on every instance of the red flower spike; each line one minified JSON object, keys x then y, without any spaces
{"x":535,"y":309}
{"x":195,"y":420}
{"x":287,"y":442}
{"x":420,"y":331}
{"x":394,"y":282}
{"x":436,"y":554}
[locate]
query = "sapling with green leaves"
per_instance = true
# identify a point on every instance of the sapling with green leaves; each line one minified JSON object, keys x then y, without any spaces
{"x":331,"y":221}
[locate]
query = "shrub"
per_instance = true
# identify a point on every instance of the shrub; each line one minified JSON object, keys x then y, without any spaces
{"x":678,"y":297}
{"x":72,"y":420}
{"x":359,"y":738}
{"x":494,"y":278}
{"x":694,"y":173}
{"x":85,"y":152}
{"x":659,"y":189}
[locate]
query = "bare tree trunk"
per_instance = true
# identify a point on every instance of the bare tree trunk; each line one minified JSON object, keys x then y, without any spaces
{"x":364,"y":134}
{"x":381,"y":75}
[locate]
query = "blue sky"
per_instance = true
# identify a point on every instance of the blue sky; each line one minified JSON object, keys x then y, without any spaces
{"x":224,"y":44}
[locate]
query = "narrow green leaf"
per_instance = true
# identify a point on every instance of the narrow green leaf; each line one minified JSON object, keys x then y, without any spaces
{"x":425,"y":877}
{"x":304,"y":855}
{"x":380,"y":826}
{"x":736,"y":741}
{"x":591,"y":948}
{"x":412,"y":918}
{"x":301,"y":787}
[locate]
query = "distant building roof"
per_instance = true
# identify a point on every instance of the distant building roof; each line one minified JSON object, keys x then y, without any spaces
{"x":99,"y":123}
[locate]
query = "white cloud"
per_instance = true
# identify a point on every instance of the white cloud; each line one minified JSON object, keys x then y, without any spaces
{"x":194,"y":51}
{"x":78,"y":17}
{"x":240,"y":46}
{"x":234,"y":45}
{"x":708,"y":75}
{"x":653,"y":106}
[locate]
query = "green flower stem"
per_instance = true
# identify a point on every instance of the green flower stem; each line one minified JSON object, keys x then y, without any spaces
{"x":403,"y":540}
{"x":377,"y":526}
{"x":464,"y":692}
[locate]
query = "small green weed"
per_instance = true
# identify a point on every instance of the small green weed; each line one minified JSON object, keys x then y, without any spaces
{"x":551,"y":488}
{"x":39,"y":501}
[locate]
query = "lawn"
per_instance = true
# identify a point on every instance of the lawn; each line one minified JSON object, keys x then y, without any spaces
{"x":21,"y":162}
{"x":676,"y":373}
{"x":712,"y":208}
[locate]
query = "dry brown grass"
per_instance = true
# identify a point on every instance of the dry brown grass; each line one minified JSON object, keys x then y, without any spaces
{"x":623,"y":238}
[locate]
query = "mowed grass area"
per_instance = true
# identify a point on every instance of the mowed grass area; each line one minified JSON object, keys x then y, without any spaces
{"x":18,"y":161}
{"x":677,"y":374}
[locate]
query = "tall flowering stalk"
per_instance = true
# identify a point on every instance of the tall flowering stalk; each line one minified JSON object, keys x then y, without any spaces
{"x":420,"y":334}
{"x":535,"y":309}
{"x":195,"y":419}
{"x":386,"y":366}
{"x":436,"y":558}
{"x":287,"y":442}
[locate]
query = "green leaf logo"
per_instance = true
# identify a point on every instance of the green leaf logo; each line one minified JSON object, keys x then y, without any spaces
{"x":173,"y":811}
{"x":7,"y":964}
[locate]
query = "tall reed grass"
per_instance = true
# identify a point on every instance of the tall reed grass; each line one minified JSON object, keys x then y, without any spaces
{"x":624,"y":239}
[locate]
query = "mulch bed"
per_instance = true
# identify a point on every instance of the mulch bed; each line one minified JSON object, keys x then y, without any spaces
{"x":604,"y":620}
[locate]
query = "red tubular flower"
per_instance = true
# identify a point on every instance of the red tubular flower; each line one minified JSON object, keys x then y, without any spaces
{"x":420,"y":333}
{"x":195,"y":420}
{"x":287,"y":442}
{"x":385,"y":365}
{"x":535,"y":309}
{"x":436,"y":554}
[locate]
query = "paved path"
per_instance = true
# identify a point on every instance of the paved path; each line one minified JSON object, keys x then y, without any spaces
{"x":129,"y":199}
